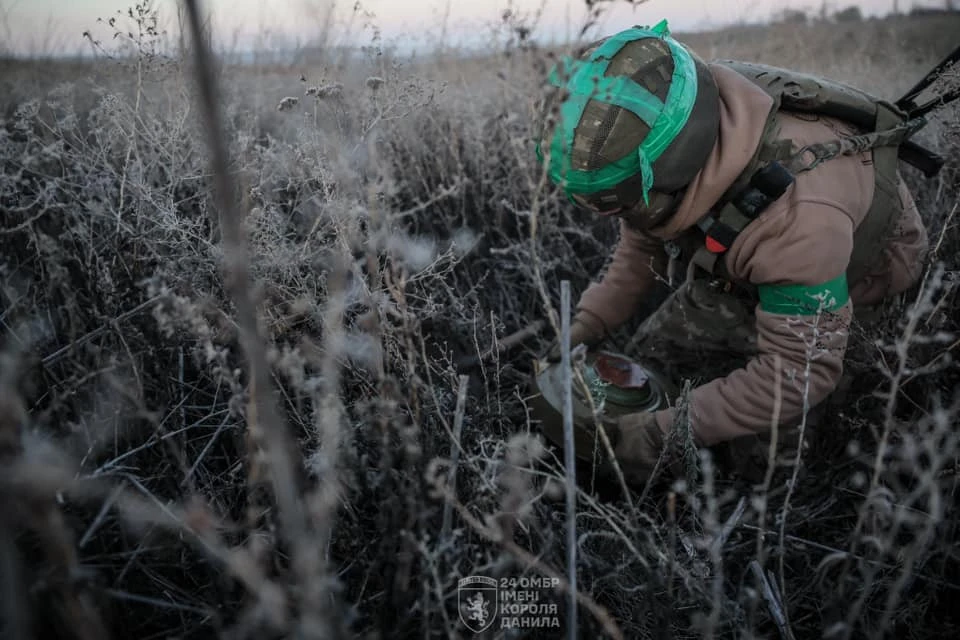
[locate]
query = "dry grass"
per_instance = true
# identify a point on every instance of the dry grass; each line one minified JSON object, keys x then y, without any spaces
{"x":390,"y":230}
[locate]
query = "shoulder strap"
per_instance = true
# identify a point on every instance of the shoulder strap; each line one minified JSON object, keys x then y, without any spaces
{"x":870,"y":237}
{"x":773,"y":169}
{"x":764,"y":181}
{"x":775,"y":162}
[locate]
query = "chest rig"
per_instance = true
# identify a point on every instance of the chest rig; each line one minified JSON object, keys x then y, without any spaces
{"x":777,"y":161}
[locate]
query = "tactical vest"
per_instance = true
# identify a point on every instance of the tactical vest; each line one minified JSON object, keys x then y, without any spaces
{"x":776,"y":162}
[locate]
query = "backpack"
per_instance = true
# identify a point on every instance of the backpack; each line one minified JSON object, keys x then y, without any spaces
{"x":887,"y":130}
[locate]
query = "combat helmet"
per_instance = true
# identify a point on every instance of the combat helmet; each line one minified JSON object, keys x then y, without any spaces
{"x":629,"y":124}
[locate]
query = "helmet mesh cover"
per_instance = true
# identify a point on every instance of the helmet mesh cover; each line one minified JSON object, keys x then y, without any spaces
{"x":619,"y":110}
{"x":607,"y":132}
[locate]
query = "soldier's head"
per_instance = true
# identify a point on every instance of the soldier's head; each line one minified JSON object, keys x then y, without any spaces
{"x":629,"y":124}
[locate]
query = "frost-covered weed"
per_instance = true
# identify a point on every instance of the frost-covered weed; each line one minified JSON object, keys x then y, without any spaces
{"x":388,"y":212}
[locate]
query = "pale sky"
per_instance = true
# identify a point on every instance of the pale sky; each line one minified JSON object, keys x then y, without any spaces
{"x":43,"y":25}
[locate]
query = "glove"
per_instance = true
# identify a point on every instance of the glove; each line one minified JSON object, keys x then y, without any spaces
{"x":637,"y":444}
{"x":580,"y":333}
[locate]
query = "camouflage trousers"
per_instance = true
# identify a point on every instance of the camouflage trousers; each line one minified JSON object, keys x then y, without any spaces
{"x":703,"y":331}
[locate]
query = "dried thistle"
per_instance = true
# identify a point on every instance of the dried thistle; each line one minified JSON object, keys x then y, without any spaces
{"x":288,"y":103}
{"x":331,"y":90}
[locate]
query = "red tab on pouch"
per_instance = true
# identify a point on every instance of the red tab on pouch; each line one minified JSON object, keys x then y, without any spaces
{"x":714,"y":247}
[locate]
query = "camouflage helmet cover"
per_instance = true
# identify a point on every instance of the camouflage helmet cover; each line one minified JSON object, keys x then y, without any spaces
{"x":634,"y":118}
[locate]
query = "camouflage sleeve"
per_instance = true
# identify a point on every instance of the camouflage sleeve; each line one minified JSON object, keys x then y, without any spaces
{"x":607,"y":304}
{"x":799,"y":263}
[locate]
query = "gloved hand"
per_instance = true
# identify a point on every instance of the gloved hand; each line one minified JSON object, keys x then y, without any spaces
{"x":637,"y":445}
{"x":580,"y":333}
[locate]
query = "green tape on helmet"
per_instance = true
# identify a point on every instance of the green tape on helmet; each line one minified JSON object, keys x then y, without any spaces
{"x":587,"y":81}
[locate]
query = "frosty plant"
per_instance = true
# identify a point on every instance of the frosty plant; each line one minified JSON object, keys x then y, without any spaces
{"x":406,"y":225}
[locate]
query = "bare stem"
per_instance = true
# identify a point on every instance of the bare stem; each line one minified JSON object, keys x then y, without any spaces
{"x":569,"y":457}
{"x":265,"y":422}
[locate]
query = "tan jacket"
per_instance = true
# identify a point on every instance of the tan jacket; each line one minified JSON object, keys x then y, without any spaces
{"x":805,"y":237}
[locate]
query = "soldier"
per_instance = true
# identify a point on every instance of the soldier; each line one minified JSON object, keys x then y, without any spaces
{"x":772,"y":220}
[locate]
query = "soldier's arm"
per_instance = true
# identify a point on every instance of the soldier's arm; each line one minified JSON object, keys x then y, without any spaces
{"x":798,"y":258}
{"x":607,"y":304}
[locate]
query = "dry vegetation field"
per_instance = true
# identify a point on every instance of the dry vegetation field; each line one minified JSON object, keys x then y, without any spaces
{"x":396,"y":221}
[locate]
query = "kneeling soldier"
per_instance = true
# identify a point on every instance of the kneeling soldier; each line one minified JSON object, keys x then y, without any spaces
{"x":773,"y":218}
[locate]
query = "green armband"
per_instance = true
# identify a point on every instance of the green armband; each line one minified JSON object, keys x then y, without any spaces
{"x":804,"y":300}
